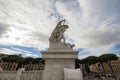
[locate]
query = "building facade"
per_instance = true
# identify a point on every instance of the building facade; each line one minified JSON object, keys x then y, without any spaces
{"x":116,"y":68}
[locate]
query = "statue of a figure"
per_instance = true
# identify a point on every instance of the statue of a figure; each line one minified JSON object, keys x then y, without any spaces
{"x":57,"y":34}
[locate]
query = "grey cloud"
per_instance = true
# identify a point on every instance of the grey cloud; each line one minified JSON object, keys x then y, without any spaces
{"x":37,"y":39}
{"x":3,"y":10}
{"x":101,"y":8}
{"x":3,"y":28}
{"x":39,"y":36}
{"x":103,"y":36}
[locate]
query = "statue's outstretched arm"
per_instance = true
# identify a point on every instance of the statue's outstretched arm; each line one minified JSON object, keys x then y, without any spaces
{"x":62,"y":21}
{"x":58,"y":26}
{"x":59,"y":23}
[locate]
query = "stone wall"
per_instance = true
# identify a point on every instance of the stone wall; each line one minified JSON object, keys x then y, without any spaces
{"x":8,"y":75}
{"x":31,"y":75}
{"x":25,"y":75}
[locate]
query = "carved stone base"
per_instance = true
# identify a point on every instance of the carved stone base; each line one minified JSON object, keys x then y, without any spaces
{"x":56,"y":61}
{"x":60,"y":46}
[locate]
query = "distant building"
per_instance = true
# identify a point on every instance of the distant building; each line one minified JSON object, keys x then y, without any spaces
{"x":12,"y":66}
{"x":116,"y":67}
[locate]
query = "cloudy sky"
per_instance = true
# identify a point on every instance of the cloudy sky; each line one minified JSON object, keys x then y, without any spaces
{"x":25,"y":25}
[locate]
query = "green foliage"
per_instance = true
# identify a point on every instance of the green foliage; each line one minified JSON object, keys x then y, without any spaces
{"x":36,"y":60}
{"x":89,"y":60}
{"x":21,"y":60}
{"x":83,"y":61}
{"x":12,"y":58}
{"x":77,"y":61}
{"x":107,"y":57}
{"x":92,"y":59}
{"x":28,"y":60}
{"x":42,"y":61}
{"x":102,"y":58}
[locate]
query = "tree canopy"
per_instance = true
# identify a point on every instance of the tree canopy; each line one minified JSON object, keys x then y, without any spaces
{"x":12,"y":58}
{"x":89,"y":60}
{"x":21,"y":60}
{"x":92,"y":59}
{"x":107,"y":57}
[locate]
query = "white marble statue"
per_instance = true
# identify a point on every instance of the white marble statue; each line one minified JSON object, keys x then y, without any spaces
{"x":57,"y":34}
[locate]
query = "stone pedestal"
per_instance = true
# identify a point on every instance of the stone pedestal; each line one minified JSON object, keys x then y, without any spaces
{"x":56,"y":61}
{"x":60,"y":54}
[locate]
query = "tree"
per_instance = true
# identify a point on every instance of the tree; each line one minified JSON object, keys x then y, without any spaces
{"x":107,"y":58}
{"x":77,"y":61}
{"x":28,"y":60}
{"x":42,"y":61}
{"x":91,"y":59}
{"x":36,"y":60}
{"x":83,"y":61}
{"x":11,"y":58}
{"x":88,"y":61}
{"x":84,"y":65}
